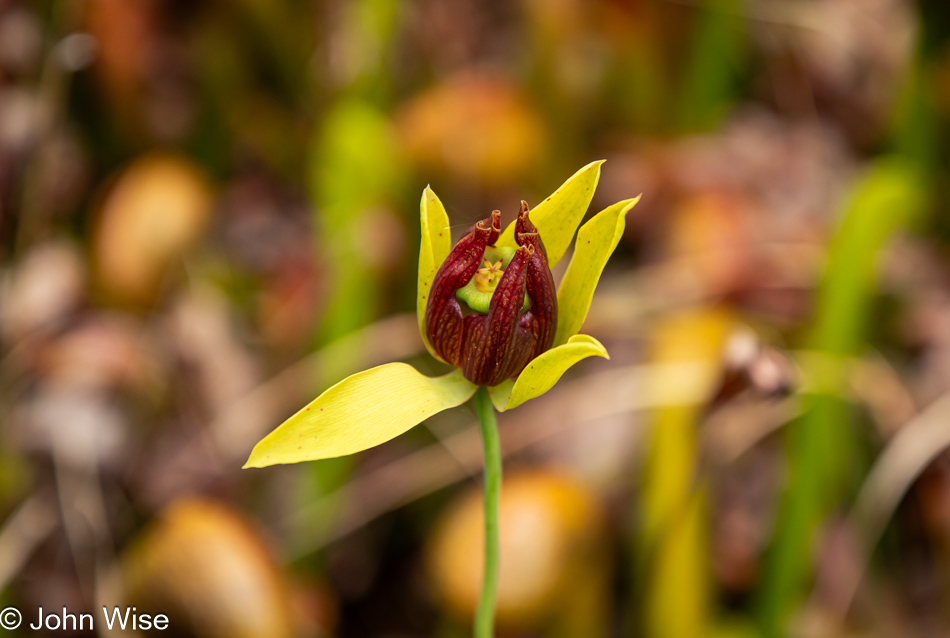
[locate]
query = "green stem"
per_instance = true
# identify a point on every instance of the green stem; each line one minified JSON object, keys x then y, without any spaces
{"x":485,"y":615}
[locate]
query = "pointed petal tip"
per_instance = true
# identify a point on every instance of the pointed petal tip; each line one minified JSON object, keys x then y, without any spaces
{"x":255,"y":460}
{"x":628,"y":204}
{"x":349,"y":422}
{"x":594,"y":166}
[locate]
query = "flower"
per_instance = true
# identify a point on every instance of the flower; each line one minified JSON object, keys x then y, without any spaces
{"x":520,"y":354}
{"x":495,"y":341}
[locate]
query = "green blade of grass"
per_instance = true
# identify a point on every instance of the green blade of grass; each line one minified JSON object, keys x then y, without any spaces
{"x":820,"y":444}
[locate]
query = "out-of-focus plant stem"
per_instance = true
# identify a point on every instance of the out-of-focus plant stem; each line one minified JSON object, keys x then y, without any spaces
{"x":485,"y":614}
{"x":821,"y":444}
{"x":711,"y":77}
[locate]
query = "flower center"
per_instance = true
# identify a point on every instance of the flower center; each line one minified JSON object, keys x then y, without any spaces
{"x":477,"y":293}
{"x":487,"y":278}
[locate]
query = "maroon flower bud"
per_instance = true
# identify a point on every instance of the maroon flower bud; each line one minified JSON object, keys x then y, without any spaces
{"x":493,"y":343}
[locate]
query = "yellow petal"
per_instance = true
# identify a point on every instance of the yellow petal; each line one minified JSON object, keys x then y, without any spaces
{"x":434,"y":248}
{"x":500,"y":394}
{"x":360,"y":412}
{"x":596,"y":241}
{"x":558,"y":216}
{"x":545,"y":370}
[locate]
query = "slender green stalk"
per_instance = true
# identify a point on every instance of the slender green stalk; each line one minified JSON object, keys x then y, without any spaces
{"x":485,"y":615}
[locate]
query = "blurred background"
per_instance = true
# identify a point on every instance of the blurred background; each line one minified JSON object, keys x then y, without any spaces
{"x":209,"y":214}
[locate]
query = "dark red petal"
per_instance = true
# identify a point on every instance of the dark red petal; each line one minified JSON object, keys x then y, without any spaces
{"x":444,"y":327}
{"x":524,"y":229}
{"x":541,"y":318}
{"x":497,"y":347}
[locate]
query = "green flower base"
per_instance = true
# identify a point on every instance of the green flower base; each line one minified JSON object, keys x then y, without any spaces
{"x":478,"y":300}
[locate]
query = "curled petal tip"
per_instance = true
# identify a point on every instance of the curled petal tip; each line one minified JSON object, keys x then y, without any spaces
{"x":492,"y":225}
{"x":523,"y":226}
{"x":525,"y":249}
{"x":528,"y":241}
